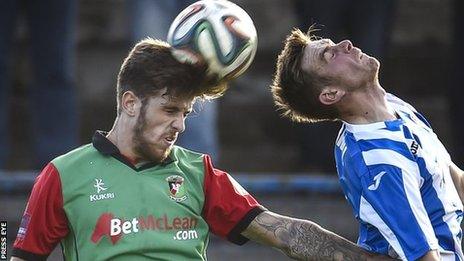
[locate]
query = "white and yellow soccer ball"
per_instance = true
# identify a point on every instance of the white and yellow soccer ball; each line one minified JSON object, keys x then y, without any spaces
{"x":218,"y":33}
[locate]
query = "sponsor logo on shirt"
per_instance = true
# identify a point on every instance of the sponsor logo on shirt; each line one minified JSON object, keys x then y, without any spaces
{"x":186,"y":235}
{"x":377,"y":179}
{"x":176,"y":188}
{"x":99,"y":185}
{"x":414,"y":148}
{"x":114,"y":228}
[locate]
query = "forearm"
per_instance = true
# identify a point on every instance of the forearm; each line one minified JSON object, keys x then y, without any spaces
{"x":303,"y":240}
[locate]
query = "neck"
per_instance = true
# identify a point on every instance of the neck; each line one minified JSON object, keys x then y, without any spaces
{"x":366,"y":105}
{"x":121,"y":135}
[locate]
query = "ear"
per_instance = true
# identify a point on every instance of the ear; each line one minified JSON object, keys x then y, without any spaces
{"x":331,"y":95}
{"x":129,"y":103}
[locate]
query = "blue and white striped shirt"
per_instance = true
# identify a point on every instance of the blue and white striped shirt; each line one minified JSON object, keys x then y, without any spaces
{"x":395,"y":174}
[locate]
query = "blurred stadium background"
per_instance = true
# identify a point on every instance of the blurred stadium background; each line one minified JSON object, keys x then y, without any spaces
{"x":257,"y":146}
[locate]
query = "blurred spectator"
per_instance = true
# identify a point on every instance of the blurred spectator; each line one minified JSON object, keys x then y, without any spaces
{"x":367,"y":23}
{"x":51,"y":27}
{"x":152,"y":18}
{"x":455,"y":91}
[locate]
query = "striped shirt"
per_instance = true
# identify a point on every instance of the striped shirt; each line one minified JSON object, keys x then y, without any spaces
{"x":395,"y":174}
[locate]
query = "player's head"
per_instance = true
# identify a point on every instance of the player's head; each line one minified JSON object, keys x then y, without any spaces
{"x":155,"y":92}
{"x":314,"y":75}
{"x":150,"y":67}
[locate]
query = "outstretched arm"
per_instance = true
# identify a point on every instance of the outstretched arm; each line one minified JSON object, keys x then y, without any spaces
{"x":303,"y":239}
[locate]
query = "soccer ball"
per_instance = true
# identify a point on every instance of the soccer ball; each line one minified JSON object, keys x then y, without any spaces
{"x":216,"y":32}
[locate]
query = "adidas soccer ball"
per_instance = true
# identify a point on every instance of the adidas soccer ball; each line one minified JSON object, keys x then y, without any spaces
{"x":218,"y":33}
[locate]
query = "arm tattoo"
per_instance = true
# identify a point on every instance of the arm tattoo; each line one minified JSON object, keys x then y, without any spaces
{"x":304,"y":240}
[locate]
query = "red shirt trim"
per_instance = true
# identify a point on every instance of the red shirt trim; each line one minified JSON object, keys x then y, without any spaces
{"x":228,"y":208}
{"x":44,"y":221}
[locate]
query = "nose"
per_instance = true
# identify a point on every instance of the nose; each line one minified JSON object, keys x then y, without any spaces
{"x":345,"y":45}
{"x":178,"y":124}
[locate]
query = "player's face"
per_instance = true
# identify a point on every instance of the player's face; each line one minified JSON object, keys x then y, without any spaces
{"x":342,"y":62}
{"x":159,"y":123}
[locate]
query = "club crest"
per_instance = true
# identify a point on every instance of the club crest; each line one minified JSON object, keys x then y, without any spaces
{"x":176,"y":188}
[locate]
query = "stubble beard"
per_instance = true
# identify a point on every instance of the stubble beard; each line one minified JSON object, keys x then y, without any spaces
{"x":373,"y":72}
{"x":375,"y":65}
{"x":141,"y":146}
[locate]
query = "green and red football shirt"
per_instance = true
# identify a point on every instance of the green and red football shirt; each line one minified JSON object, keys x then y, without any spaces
{"x":102,"y":207}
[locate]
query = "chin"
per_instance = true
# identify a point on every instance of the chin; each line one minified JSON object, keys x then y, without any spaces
{"x":166,"y":153}
{"x":160,"y":156}
{"x":375,"y":64}
{"x":153,"y":154}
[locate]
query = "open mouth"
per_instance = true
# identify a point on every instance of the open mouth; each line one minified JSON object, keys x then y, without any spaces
{"x":170,"y":140}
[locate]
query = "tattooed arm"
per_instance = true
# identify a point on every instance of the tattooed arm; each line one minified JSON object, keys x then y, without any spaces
{"x":303,"y":239}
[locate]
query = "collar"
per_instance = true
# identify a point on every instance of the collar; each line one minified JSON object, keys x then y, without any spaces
{"x":392,"y":125}
{"x":107,"y":148}
{"x":103,"y":144}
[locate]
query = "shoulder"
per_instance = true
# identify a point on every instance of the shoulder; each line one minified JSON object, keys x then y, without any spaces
{"x":76,"y":156}
{"x":400,"y":105}
{"x":346,"y":143}
{"x":180,"y":153}
{"x":363,"y":149}
{"x":397,"y":102}
{"x":348,"y":154}
{"x":190,"y":161}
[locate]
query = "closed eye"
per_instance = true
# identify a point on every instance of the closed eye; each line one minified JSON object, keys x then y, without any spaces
{"x":171,"y":111}
{"x":327,"y":54}
{"x":322,"y":55}
{"x":176,"y":112}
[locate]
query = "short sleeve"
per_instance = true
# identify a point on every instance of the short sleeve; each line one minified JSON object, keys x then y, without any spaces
{"x":229,"y":208}
{"x":44,"y":221}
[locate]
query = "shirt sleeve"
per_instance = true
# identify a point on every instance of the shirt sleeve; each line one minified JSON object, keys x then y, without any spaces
{"x":229,"y":208}
{"x":391,"y":201}
{"x":44,"y":221}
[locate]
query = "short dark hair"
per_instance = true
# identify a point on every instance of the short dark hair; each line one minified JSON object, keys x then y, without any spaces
{"x":296,"y":92}
{"x":151,"y":67}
